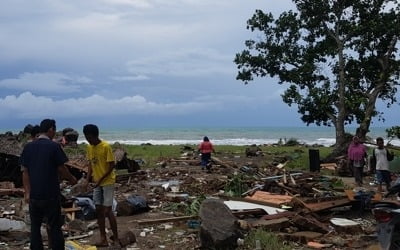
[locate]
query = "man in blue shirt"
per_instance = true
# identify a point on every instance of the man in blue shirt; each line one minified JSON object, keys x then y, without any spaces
{"x":43,"y":162}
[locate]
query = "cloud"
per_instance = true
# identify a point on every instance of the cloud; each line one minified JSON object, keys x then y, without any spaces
{"x":130,"y":3}
{"x":47,"y":82}
{"x":29,"y":106}
{"x":183,"y":62}
{"x":129,"y":78}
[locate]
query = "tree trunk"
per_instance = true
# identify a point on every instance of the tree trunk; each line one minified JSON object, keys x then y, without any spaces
{"x":341,"y":142}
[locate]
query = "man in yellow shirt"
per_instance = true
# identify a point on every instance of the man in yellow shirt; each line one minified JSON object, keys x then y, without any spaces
{"x":101,"y":171}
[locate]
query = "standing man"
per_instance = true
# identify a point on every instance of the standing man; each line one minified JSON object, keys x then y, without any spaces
{"x":101,"y":171}
{"x":356,"y":154}
{"x":381,"y":157}
{"x":43,"y":162}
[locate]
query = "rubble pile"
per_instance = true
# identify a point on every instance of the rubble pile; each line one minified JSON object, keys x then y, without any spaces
{"x":175,"y":204}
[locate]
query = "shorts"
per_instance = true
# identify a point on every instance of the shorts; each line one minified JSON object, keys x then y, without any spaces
{"x":104,"y":195}
{"x":383,"y":176}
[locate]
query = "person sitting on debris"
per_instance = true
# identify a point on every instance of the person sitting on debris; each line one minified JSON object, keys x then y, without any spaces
{"x":43,"y":162}
{"x":356,"y":154}
{"x":205,"y":148}
{"x":380,"y":158}
{"x":102,"y":171}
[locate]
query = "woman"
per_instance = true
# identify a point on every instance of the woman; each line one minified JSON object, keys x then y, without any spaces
{"x":356,"y":154}
{"x":205,"y":148}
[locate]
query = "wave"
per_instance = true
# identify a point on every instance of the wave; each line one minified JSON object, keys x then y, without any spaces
{"x":228,"y":136}
{"x":327,"y":142}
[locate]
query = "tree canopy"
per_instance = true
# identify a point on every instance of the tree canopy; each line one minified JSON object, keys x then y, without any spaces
{"x":338,"y":58}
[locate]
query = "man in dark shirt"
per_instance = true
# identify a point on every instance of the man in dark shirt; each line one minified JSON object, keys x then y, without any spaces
{"x":43,"y":161}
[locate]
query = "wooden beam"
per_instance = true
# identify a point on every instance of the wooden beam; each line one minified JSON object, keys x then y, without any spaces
{"x":164,"y":220}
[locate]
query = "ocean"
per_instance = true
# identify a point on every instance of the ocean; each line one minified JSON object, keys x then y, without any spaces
{"x":228,"y":136}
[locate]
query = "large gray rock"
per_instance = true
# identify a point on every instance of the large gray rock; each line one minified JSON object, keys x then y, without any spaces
{"x":219,"y":228}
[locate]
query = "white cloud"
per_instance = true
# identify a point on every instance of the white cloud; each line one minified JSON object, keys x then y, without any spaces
{"x":131,"y":3}
{"x":183,"y":62}
{"x":28,"y":105}
{"x":129,"y":78}
{"x":95,"y":22}
{"x":47,"y":82}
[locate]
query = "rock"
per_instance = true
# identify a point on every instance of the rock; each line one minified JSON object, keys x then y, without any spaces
{"x":124,"y":208}
{"x":219,"y":228}
{"x":253,"y":150}
{"x":127,"y":238}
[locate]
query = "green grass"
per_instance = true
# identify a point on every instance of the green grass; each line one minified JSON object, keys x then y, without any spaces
{"x":151,"y":154}
{"x":267,"y":240}
{"x":297,"y":155}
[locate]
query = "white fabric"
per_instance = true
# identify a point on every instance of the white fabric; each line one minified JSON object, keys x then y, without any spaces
{"x":381,"y":159}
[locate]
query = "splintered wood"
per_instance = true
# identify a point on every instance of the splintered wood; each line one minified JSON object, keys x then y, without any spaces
{"x":270,"y":198}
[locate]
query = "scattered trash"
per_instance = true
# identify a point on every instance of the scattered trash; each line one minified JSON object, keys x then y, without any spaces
{"x":72,"y":245}
{"x":12,"y":225}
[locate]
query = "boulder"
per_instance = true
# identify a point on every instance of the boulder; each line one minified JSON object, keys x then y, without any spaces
{"x":219,"y":228}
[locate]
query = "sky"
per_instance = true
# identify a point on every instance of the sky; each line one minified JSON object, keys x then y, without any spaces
{"x":134,"y":63}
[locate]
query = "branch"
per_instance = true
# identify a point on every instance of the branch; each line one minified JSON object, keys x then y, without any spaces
{"x":383,"y":62}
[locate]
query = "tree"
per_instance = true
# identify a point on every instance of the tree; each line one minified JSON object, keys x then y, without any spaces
{"x":393,"y":132}
{"x":338,"y":56}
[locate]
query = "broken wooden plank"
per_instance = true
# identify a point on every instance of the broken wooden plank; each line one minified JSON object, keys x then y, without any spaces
{"x":254,"y":211}
{"x":309,"y":223}
{"x":81,"y":236}
{"x":7,"y":185}
{"x":183,"y":160}
{"x":180,"y":218}
{"x":286,"y":214}
{"x":272,"y":225}
{"x":258,"y":186}
{"x":164,"y":220}
{"x":315,"y":207}
{"x":222,"y":163}
{"x":271,"y":198}
{"x":123,"y":177}
{"x":279,"y":176}
{"x":330,"y":166}
{"x":12,"y":191}
{"x":78,"y":165}
{"x":70,"y":211}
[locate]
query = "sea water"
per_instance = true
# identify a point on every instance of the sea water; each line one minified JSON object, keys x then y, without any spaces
{"x":229,"y":136}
